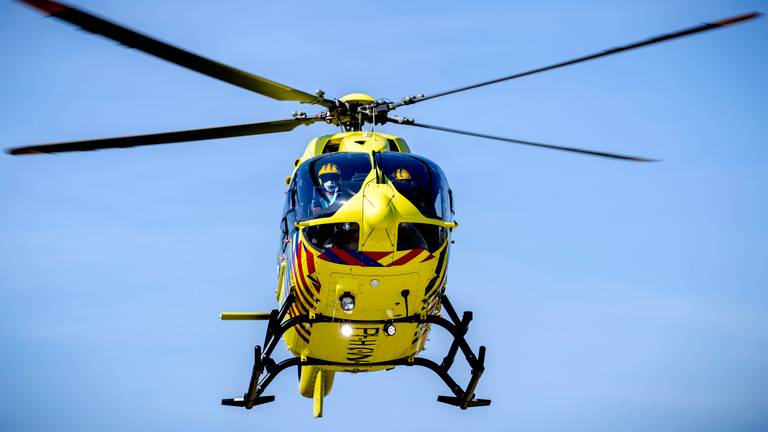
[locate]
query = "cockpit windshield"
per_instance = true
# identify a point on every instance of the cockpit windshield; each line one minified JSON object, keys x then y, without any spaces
{"x":325,"y":183}
{"x":421,"y":181}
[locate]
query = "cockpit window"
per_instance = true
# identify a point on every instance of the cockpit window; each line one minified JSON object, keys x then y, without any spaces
{"x":421,"y":181}
{"x":345,"y":235}
{"x":324,"y":183}
{"x":420,"y":236}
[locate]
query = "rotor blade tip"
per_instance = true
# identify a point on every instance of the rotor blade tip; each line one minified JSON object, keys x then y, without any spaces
{"x":738,"y":18}
{"x":47,"y":6}
{"x":21,"y":151}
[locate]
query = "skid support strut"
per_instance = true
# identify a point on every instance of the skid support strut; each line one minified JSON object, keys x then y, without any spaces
{"x":278,"y":324}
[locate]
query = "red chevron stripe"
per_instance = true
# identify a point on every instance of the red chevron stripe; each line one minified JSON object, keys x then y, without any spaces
{"x":315,"y":283}
{"x":301,"y":332}
{"x":306,"y":328}
{"x":303,"y":303}
{"x":301,"y":294}
{"x":301,"y":271}
{"x":407,"y":257}
{"x":298,"y":256}
{"x":377,"y":255}
{"x":440,"y":284}
{"x":294,"y":270}
{"x":299,"y":291}
{"x":294,"y":310}
{"x":310,"y":260}
{"x":346,"y":257}
{"x":294,"y":273}
{"x":311,"y":269}
{"x":432,"y":304}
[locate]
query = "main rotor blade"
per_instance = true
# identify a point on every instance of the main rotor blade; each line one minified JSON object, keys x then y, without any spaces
{"x":654,"y":40}
{"x":166,"y":137}
{"x":176,"y":55}
{"x":409,"y":122}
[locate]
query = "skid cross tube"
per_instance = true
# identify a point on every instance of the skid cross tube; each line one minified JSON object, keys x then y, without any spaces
{"x":278,"y":325}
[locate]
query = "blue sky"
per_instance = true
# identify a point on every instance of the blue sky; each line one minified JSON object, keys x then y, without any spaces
{"x":611,"y":295}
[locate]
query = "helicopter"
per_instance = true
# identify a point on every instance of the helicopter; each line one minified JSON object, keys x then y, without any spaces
{"x":365,"y":231}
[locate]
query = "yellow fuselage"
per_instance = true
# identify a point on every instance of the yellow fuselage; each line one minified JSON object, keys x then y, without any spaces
{"x":385,"y":281}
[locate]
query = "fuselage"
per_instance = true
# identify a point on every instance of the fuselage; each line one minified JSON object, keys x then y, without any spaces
{"x":380,"y":242}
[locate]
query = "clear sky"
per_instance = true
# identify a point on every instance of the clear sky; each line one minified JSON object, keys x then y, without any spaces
{"x":612,"y":296}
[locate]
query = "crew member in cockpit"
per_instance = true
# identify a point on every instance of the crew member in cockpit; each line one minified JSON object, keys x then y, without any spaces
{"x":402,"y":175}
{"x":405,"y":184}
{"x":408,"y":234}
{"x":329,"y":176}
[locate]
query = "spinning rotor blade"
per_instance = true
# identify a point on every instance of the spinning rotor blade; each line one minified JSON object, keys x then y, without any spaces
{"x":662,"y":38}
{"x":409,"y":122}
{"x":175,"y":55}
{"x":167,"y":137}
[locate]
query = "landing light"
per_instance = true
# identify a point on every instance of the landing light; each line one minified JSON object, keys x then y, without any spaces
{"x":390,"y":329}
{"x":347,"y":302}
{"x":346,"y":330}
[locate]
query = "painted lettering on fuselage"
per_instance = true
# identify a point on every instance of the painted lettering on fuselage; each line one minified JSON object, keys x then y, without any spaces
{"x":362,"y":344}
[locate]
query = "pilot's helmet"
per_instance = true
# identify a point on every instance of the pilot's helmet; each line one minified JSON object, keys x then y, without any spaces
{"x":402,"y":174}
{"x":329,"y":176}
{"x":329,"y":168}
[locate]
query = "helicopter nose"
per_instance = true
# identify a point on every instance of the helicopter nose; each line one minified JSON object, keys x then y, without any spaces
{"x":379,"y":217}
{"x":377,"y":205}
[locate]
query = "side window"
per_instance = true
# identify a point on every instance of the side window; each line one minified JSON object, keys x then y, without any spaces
{"x":284,"y":235}
{"x":288,"y":221}
{"x":393,"y":145}
{"x":290,"y":212}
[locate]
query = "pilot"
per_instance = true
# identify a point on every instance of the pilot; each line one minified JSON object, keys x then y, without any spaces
{"x":409,"y":235}
{"x":402,"y":175}
{"x":405,"y":184}
{"x":329,"y":176}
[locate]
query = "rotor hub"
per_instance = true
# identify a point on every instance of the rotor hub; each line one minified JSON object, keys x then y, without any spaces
{"x":357,"y":99}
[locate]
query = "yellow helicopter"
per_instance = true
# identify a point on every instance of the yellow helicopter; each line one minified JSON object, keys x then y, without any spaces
{"x":365,"y":231}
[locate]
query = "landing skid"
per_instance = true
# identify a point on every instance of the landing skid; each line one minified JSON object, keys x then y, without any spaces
{"x":264,"y":363}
